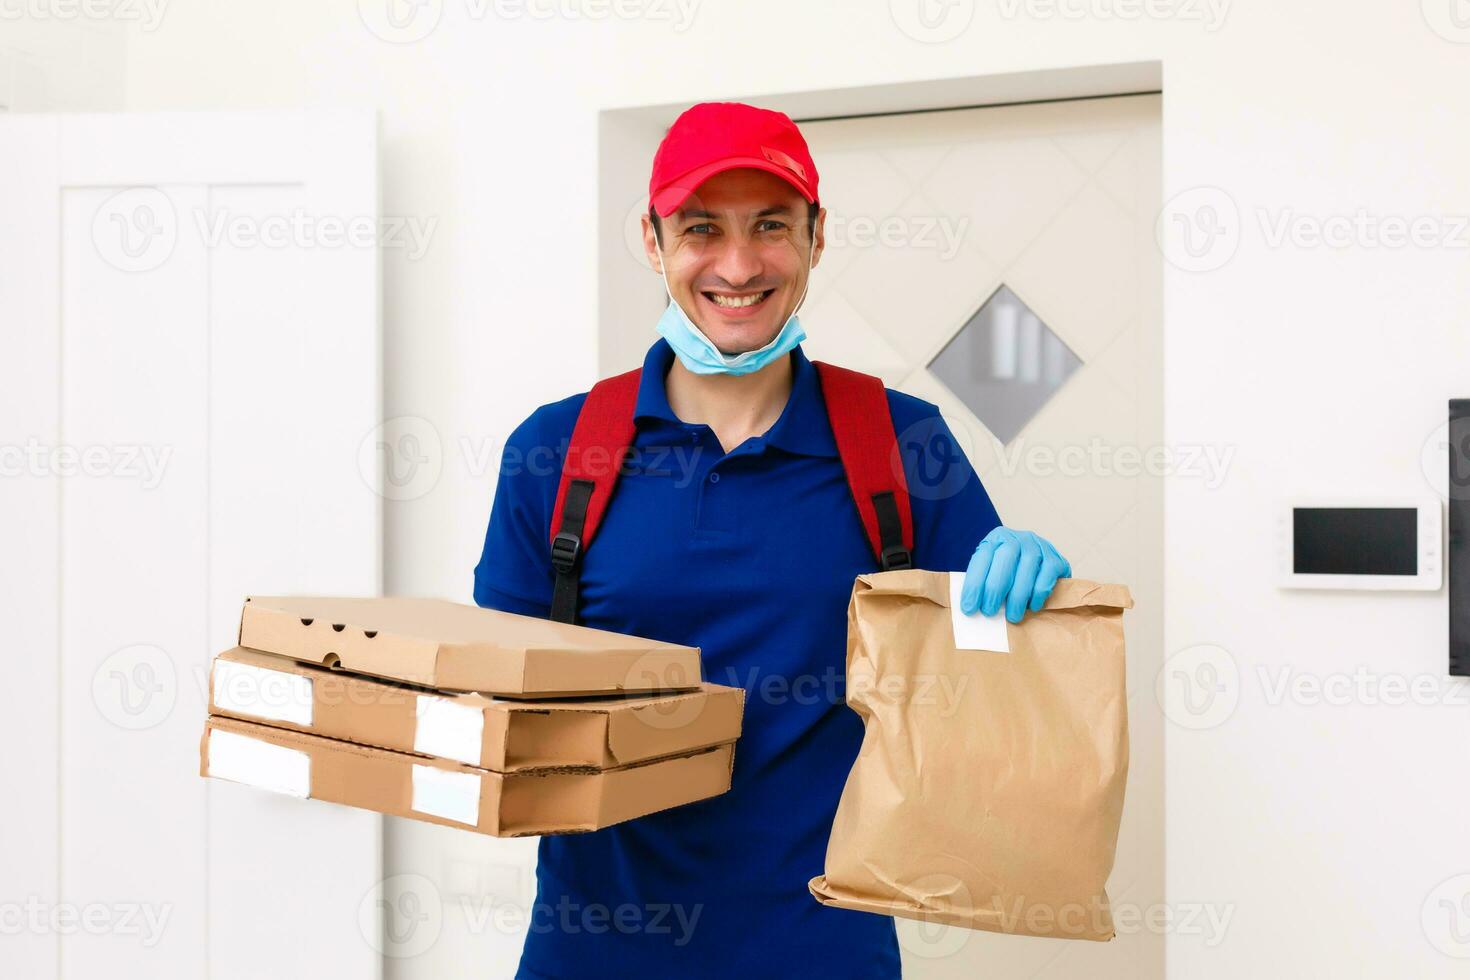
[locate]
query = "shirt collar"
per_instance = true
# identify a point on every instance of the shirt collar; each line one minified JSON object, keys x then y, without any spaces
{"x":801,"y":428}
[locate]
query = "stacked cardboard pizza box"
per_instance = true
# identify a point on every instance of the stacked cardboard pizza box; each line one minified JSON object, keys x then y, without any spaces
{"x":474,"y":718}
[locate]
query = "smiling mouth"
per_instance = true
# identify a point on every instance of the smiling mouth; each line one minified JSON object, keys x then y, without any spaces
{"x":737,"y":301}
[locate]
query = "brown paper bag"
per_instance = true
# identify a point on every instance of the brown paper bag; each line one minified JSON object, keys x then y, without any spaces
{"x":989,"y":786}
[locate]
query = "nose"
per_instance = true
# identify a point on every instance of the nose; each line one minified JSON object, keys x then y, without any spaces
{"x":738,"y":263}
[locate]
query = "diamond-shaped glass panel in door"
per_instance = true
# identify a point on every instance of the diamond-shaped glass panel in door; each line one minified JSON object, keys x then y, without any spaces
{"x":1004,"y":364}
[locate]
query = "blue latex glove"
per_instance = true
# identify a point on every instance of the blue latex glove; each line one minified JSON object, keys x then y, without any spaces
{"x":1018,"y":568}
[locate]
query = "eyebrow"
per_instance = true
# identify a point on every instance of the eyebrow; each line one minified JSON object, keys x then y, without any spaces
{"x":762,"y":213}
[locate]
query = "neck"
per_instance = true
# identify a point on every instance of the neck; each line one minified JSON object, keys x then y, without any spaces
{"x":735,"y":406}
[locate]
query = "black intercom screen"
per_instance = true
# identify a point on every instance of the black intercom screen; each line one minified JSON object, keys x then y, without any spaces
{"x":1355,"y":541}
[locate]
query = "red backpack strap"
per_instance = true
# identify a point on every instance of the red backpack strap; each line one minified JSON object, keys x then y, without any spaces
{"x":857,"y":407}
{"x":600,"y":439}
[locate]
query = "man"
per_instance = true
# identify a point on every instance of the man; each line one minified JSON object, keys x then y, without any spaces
{"x":733,"y":529}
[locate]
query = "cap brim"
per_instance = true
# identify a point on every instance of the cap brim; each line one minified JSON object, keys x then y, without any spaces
{"x":673,"y":194}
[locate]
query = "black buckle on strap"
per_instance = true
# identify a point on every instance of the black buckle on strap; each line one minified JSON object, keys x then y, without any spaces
{"x":566,"y":550}
{"x":896,"y":557}
{"x":890,"y":533}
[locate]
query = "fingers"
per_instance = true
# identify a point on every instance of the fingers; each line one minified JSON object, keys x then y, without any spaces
{"x":1002,"y":573}
{"x":1014,"y":570}
{"x":1030,"y":563}
{"x":975,"y":574}
{"x":1066,"y":571}
{"x":1053,"y":567}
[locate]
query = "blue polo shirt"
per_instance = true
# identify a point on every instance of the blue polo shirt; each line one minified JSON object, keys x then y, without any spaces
{"x":749,"y":555}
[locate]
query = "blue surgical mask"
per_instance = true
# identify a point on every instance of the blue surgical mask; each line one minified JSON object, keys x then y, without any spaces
{"x":699,"y":354}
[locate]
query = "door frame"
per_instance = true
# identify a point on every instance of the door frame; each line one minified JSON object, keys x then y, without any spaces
{"x":235,"y":864}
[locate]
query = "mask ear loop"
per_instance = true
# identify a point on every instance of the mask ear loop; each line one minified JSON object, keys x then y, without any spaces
{"x":663,"y":264}
{"x":811,"y":257}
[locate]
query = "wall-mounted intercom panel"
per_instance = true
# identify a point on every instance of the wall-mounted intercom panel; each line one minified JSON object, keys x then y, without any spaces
{"x":1360,"y":543}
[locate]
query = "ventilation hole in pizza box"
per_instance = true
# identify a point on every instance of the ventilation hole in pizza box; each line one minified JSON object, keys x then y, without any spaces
{"x":307,"y":622}
{"x":332,"y":662}
{"x":369,"y":633}
{"x":338,"y":627}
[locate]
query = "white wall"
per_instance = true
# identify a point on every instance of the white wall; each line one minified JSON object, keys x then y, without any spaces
{"x":62,"y":58}
{"x":1322,"y":830}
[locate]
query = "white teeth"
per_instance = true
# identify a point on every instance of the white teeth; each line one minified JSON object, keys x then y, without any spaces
{"x":735,"y":302}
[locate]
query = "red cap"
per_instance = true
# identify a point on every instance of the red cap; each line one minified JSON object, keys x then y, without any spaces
{"x":712,"y":137}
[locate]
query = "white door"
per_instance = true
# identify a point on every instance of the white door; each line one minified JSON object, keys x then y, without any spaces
{"x":190,"y":363}
{"x":1000,"y":262}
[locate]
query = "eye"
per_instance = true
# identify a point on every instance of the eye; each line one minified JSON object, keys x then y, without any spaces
{"x":700,"y":229}
{"x":771,"y":224}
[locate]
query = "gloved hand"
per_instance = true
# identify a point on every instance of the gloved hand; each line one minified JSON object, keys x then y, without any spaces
{"x":1018,"y":568}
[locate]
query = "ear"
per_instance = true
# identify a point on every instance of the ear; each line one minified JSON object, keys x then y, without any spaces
{"x":819,"y":236}
{"x":650,"y":245}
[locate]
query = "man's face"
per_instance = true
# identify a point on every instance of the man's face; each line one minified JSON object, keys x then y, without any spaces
{"x":735,"y":255}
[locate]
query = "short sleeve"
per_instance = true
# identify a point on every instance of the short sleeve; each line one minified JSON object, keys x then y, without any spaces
{"x":952,"y":512}
{"x":514,"y":573}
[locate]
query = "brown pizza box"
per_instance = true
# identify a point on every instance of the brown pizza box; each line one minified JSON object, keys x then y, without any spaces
{"x":450,"y":646}
{"x":486,"y":732}
{"x":450,"y":793}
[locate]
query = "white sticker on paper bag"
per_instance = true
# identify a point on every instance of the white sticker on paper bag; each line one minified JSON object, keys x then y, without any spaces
{"x":451,"y":795}
{"x":448,"y":730}
{"x":259,"y":692}
{"x":242,"y":759}
{"x":975,"y":632}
